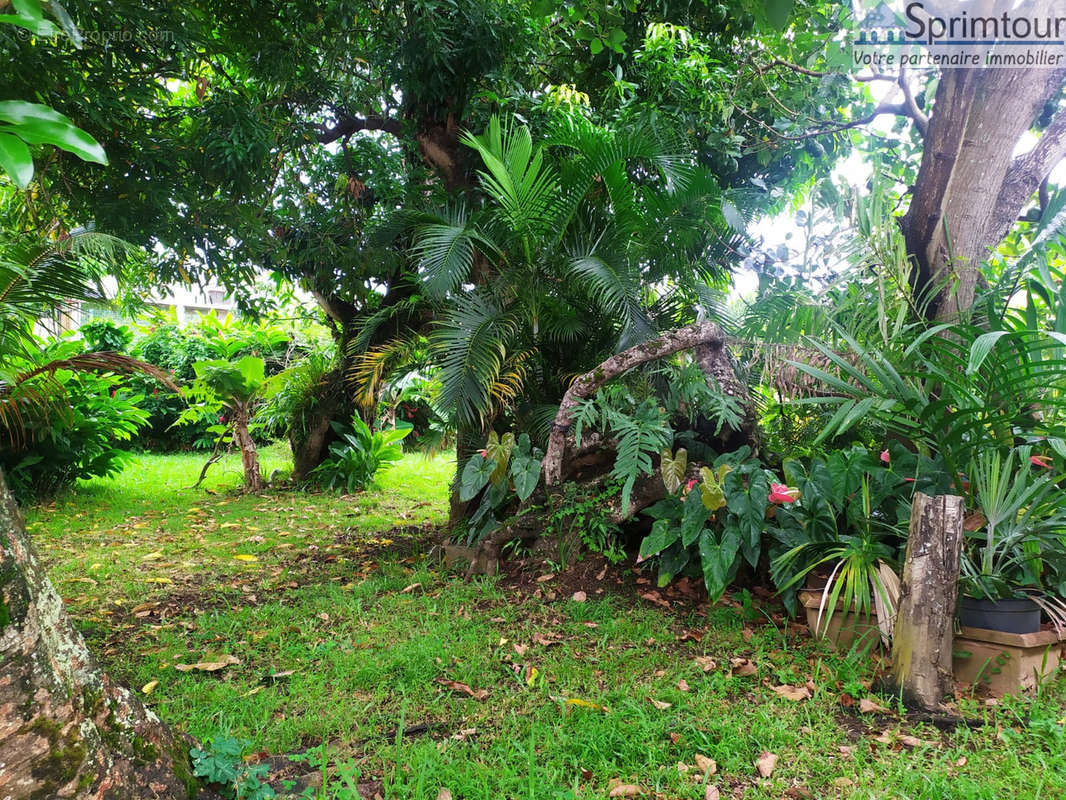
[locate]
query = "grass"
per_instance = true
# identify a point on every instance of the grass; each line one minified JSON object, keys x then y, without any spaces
{"x":360,"y":630}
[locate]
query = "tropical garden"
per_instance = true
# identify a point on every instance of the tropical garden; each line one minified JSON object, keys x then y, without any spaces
{"x":612,"y":399}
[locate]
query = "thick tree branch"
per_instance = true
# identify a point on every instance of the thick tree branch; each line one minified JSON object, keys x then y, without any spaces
{"x":1029,"y":171}
{"x":349,"y":125}
{"x":921,"y":121}
{"x":691,"y":336}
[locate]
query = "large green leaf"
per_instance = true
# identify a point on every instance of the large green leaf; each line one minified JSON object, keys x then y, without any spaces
{"x":15,"y":159}
{"x":693,"y":518}
{"x":717,"y":560}
{"x":525,"y":472}
{"x":663,"y":534}
{"x":38,"y":124}
{"x":671,"y":561}
{"x":475,"y":477}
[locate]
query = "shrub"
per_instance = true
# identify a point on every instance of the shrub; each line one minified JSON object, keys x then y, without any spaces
{"x":355,"y":459}
{"x":80,"y":437}
{"x":103,"y":335}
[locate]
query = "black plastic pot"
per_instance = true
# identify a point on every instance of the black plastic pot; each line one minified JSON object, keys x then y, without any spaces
{"x":1008,"y":614}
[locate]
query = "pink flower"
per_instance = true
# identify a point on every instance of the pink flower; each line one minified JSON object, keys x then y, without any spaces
{"x":780,"y":493}
{"x":483,"y":453}
{"x":690,"y":484}
{"x":1040,"y":461}
{"x":885,"y":457}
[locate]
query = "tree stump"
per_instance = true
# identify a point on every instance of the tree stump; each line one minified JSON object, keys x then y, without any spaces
{"x":924,"y":631}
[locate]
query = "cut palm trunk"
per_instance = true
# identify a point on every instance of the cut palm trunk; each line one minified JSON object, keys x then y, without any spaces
{"x":922,"y":641}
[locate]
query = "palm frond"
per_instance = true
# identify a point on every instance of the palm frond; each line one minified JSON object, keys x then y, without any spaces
{"x":471,"y":342}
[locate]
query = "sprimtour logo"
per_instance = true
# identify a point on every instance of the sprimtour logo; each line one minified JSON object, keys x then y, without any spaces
{"x":923,"y":34}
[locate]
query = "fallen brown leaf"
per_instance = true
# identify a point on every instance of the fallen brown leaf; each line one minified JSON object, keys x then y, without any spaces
{"x":711,"y":793}
{"x":708,"y":766}
{"x":682,"y":685}
{"x":579,"y":597}
{"x":444,"y":794}
{"x":406,"y":590}
{"x":867,"y":706}
{"x":544,"y":641}
{"x":742,"y":667}
{"x":655,"y":597}
{"x":520,"y":649}
{"x":793,"y":693}
{"x":659,"y":704}
{"x":462,"y":688}
{"x":765,"y":763}
{"x":208,"y":666}
{"x":625,"y":790}
{"x":706,"y":663}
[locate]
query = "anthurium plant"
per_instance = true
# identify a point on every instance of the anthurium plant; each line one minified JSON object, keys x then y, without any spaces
{"x":713,"y":523}
{"x":849,"y":526}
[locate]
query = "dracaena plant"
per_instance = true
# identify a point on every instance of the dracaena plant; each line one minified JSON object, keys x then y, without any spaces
{"x":355,"y":459}
{"x":1016,"y":538}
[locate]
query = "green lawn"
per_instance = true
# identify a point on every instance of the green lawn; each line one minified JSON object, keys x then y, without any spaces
{"x":571,"y":698}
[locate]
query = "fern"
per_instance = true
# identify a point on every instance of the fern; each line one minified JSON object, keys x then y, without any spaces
{"x":640,"y":434}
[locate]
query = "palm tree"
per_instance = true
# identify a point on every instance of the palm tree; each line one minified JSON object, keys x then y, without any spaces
{"x":582,"y":246}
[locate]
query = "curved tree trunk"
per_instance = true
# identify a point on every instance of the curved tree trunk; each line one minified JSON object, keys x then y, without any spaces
{"x":704,"y":335}
{"x":67,"y":730}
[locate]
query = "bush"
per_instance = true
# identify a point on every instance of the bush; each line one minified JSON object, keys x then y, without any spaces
{"x":178,"y":348}
{"x":78,"y":434}
{"x":355,"y":459}
{"x":103,"y":335}
{"x":413,"y":399}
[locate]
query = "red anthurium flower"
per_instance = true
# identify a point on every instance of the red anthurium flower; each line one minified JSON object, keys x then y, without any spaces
{"x":885,"y":457}
{"x":779,"y":493}
{"x":1040,"y":461}
{"x":690,"y":484}
{"x":483,"y":453}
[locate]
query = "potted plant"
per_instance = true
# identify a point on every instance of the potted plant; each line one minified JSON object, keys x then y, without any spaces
{"x":845,"y":532}
{"x":1016,"y":542}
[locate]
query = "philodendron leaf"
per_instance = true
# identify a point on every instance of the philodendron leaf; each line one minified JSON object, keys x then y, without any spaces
{"x":717,"y":559}
{"x":662,"y":535}
{"x":498,"y":450}
{"x":475,"y":476}
{"x":525,"y":472}
{"x":672,"y":561}
{"x":672,"y":466}
{"x":711,"y":492}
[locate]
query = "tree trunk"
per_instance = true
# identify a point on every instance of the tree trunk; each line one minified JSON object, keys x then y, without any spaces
{"x":922,"y":639}
{"x":705,"y":334}
{"x":66,"y":730}
{"x":970,"y":188}
{"x":253,"y":480}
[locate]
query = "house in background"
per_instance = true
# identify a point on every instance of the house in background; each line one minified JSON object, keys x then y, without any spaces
{"x":188,"y":303}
